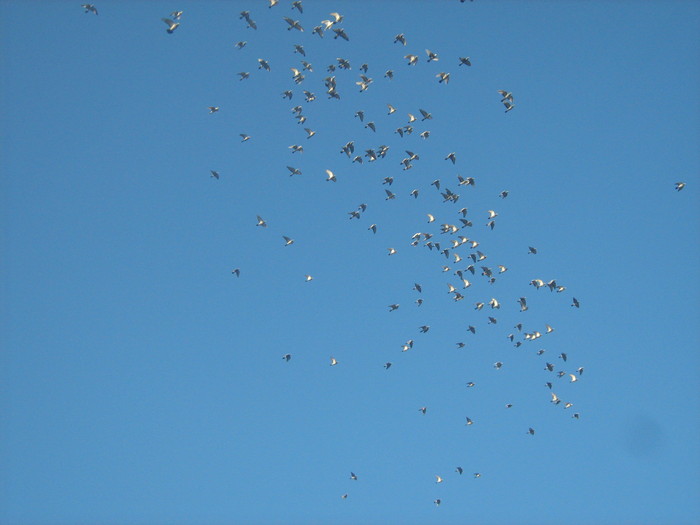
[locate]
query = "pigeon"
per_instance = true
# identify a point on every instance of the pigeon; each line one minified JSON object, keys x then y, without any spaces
{"x":89,"y":8}
{"x":172,"y":26}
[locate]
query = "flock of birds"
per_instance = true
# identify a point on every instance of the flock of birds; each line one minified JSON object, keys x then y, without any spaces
{"x":456,"y":248}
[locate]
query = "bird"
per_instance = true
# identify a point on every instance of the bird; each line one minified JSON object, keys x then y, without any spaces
{"x":576,"y":415}
{"x":508,"y":106}
{"x":531,"y":250}
{"x":431,"y":218}
{"x":236,"y":272}
{"x":172,"y":26}
{"x":389,"y":74}
{"x":214,"y":174}
{"x":387,"y":365}
{"x":273,"y":3}
{"x":503,"y":194}
{"x":679,"y":185}
{"x":575,"y":302}
{"x":393,"y":307}
{"x":438,"y":479}
{"x":389,"y":195}
{"x":263,"y":64}
{"x":424,"y":329}
{"x":412,"y":59}
{"x":506,"y":95}
{"x":331,"y":176}
{"x":373,"y":227}
{"x":392,"y":251}
{"x":308,"y":278}
{"x":573,"y":378}
{"x":89,"y":8}
{"x":261,"y":222}
{"x":523,"y":304}
{"x":293,"y":24}
{"x":431,"y":56}
{"x":423,"y":409}
{"x":531,"y":431}
{"x":243,"y":75}
{"x":469,"y":422}
{"x":334,"y":361}
{"x":244,"y":137}
{"x":353,"y":476}
{"x":371,"y":126}
{"x":464,"y":61}
{"x":297,"y":4}
{"x":580,"y":370}
{"x":459,"y":470}
{"x":437,"y":502}
{"x":426,"y":115}
{"x":477,"y":475}
{"x":472,"y":329}
{"x":444,"y":77}
{"x":508,"y":405}
{"x":419,"y":302}
{"x":392,"y":109}
{"x":555,"y":399}
{"x":417,"y":287}
{"x":340,"y":32}
{"x":309,"y":132}
{"x":241,"y":44}
{"x":287,"y":240}
{"x":296,"y":148}
{"x":498,"y":365}
{"x":452,"y":156}
{"x":470,"y":384}
{"x":287,"y":357}
{"x":344,"y":496}
{"x":293,"y":171}
{"x":400,"y":38}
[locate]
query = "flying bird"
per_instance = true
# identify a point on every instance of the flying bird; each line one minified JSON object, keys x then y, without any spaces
{"x":287,"y":240}
{"x":172,"y":26}
{"x":575,"y":302}
{"x":214,"y":174}
{"x":89,"y":8}
{"x":287,"y":357}
{"x":431,"y":56}
{"x":334,"y":361}
{"x":236,"y":272}
{"x":444,"y":77}
{"x":464,"y":61}
{"x":261,"y":222}
{"x":331,"y":176}
{"x":400,"y":38}
{"x":679,"y":185}
{"x":393,"y":307}
{"x":293,"y":24}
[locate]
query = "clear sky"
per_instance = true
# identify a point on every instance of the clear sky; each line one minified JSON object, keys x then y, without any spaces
{"x":141,"y":382}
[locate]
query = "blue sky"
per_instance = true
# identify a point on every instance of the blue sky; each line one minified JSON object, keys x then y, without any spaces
{"x":144,"y":383}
